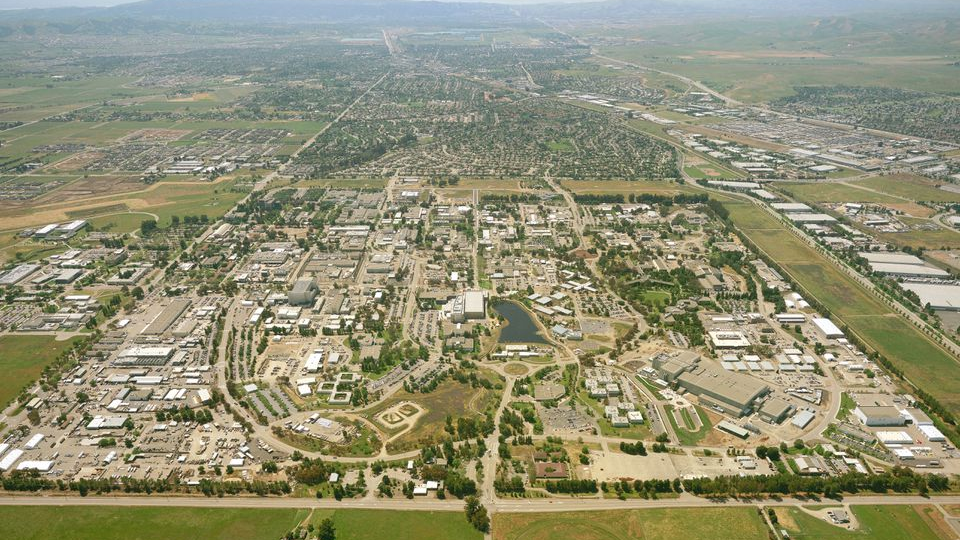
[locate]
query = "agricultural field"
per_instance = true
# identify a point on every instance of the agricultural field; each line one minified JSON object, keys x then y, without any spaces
{"x":648,"y":524}
{"x":141,"y":523}
{"x":885,"y":522}
{"x":23,"y":358}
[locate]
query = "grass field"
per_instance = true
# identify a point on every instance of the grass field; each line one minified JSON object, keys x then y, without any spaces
{"x":164,"y":199}
{"x":829,"y":192}
{"x":626,"y":187}
{"x":449,"y":398}
{"x":921,"y":361}
{"x":876,"y":523}
{"x":120,"y":223}
{"x":686,"y":435}
{"x":911,"y":187}
{"x":397,"y":525}
{"x":708,"y":172}
{"x":141,"y":523}
{"x":651,"y":524}
{"x":939,"y":238}
{"x":22,"y":359}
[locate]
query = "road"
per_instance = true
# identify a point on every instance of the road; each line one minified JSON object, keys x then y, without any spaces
{"x":448,"y":505}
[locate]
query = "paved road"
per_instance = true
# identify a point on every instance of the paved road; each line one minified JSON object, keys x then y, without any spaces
{"x":498,"y":506}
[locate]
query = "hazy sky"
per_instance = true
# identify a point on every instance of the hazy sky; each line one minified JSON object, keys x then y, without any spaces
{"x":12,"y":4}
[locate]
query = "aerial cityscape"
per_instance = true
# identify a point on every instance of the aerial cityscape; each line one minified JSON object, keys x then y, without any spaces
{"x":374,"y":269}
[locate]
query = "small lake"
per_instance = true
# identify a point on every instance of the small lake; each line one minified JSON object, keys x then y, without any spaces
{"x":520,"y":327}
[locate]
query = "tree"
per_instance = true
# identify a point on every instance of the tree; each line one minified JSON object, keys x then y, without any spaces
{"x":327,"y":531}
{"x":477,"y":514}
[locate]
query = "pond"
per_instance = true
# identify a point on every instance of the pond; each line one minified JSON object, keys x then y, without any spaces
{"x":520,"y":327}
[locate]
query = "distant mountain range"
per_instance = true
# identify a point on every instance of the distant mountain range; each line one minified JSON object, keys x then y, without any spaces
{"x":410,"y":11}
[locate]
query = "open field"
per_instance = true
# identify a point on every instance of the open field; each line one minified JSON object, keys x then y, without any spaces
{"x":626,"y":187}
{"x":450,"y":398}
{"x":139,"y":523}
{"x":850,"y":304}
{"x":652,"y":524}
{"x":911,"y":187}
{"x":23,"y":358}
{"x":120,"y":223}
{"x":876,"y":523}
{"x":746,"y":75}
{"x":939,"y":238}
{"x":830,"y":192}
{"x":164,"y":199}
{"x":397,"y":525}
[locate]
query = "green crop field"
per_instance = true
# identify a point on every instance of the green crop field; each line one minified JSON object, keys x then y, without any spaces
{"x":876,"y":523}
{"x":141,"y":523}
{"x":22,"y":359}
{"x":652,"y":524}
{"x":922,"y":361}
{"x":397,"y":525}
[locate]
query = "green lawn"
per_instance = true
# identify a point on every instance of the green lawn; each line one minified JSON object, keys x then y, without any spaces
{"x":876,"y":523}
{"x":648,"y":524}
{"x":22,"y":359}
{"x":398,"y":525}
{"x":143,"y":523}
{"x":684,"y":434}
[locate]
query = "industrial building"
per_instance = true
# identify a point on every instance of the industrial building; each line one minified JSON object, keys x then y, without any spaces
{"x":827,"y":328}
{"x":775,"y":410}
{"x":670,"y":367}
{"x":304,"y":292}
{"x":731,"y":392}
{"x":167,"y":317}
{"x":469,"y":305}
{"x":939,"y":297}
{"x":729,"y":340}
{"x":908,"y":270}
{"x":880,"y":416}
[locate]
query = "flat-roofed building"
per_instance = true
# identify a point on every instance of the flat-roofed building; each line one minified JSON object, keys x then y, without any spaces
{"x":474,"y":305}
{"x":908,"y":270}
{"x":880,"y":416}
{"x":775,"y":410}
{"x":939,"y":297}
{"x":725,"y":339}
{"x":827,"y":328}
{"x":304,"y":292}
{"x":166,"y":318}
{"x":670,"y":367}
{"x":729,"y":391}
